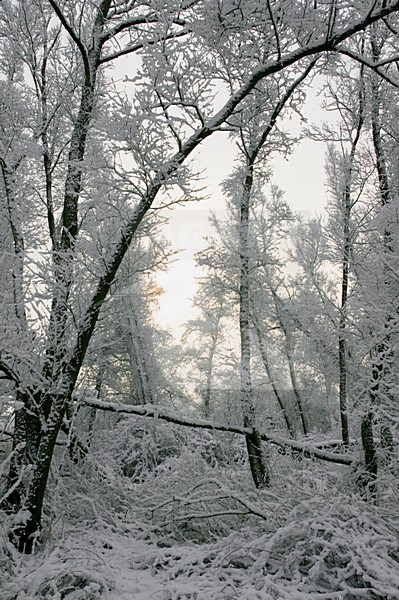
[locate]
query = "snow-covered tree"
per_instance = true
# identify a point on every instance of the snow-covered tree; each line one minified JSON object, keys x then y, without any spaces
{"x":80,"y":137}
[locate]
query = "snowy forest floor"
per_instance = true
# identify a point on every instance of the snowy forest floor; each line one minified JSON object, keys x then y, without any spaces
{"x":175,"y":517}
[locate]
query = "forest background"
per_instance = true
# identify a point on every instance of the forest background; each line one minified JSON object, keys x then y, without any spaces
{"x":272,"y":425}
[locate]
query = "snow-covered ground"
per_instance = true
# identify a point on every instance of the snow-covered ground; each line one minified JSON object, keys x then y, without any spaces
{"x":194,"y":528}
{"x":345,"y":553}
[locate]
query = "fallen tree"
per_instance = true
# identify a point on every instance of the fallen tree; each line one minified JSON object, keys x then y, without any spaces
{"x":156,"y":412}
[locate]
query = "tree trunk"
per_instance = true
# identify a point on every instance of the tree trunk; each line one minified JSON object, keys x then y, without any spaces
{"x":27,"y":533}
{"x":385,"y":353}
{"x":288,"y":352}
{"x":137,"y":357}
{"x":91,"y":417}
{"x":13,"y":500}
{"x":266,"y":364}
{"x":369,"y":480}
{"x":294,"y":383}
{"x":259,"y":471}
{"x":27,"y":431}
{"x":342,"y":343}
{"x":358,"y":121}
{"x":209,"y":378}
{"x":156,"y":413}
{"x":52,"y":408}
{"x":367,"y":433}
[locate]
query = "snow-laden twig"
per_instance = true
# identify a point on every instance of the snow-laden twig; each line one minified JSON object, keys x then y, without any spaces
{"x":22,"y":473}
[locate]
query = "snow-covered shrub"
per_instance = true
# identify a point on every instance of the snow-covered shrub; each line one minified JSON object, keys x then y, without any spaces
{"x":170,"y":472}
{"x":324,"y":547}
{"x":67,"y":572}
{"x":320,"y":550}
{"x":137,"y":449}
{"x":134,"y":448}
{"x":189,"y":524}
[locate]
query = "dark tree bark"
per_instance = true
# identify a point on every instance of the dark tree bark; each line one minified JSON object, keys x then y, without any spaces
{"x":259,"y":468}
{"x":369,"y":479}
{"x":294,"y":382}
{"x":382,"y":356}
{"x":347,"y":205}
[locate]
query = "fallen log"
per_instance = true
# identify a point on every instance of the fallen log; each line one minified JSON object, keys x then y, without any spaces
{"x":156,"y":412}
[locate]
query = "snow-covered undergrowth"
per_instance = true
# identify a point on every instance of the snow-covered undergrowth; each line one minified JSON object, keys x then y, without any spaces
{"x":175,"y":517}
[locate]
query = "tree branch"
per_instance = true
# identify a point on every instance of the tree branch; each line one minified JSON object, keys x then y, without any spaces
{"x":155,"y":412}
{"x":74,"y":37}
{"x":276,"y":35}
{"x":140,"y":45}
{"x":371,"y":65}
{"x":8,"y":372}
{"x":132,"y":22}
{"x":279,"y":108}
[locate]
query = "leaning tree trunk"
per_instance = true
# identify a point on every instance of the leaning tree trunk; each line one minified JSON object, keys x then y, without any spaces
{"x":266,"y":364}
{"x":137,"y":358}
{"x":290,"y":360}
{"x":294,"y":382}
{"x":53,"y":405}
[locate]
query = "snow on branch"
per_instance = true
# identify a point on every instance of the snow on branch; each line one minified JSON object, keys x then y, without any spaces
{"x":374,"y":66}
{"x":74,"y":36}
{"x":6,"y":372}
{"x":308,"y":450}
{"x":155,"y":412}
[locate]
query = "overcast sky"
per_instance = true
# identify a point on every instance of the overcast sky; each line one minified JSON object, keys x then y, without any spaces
{"x":301,"y":178}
